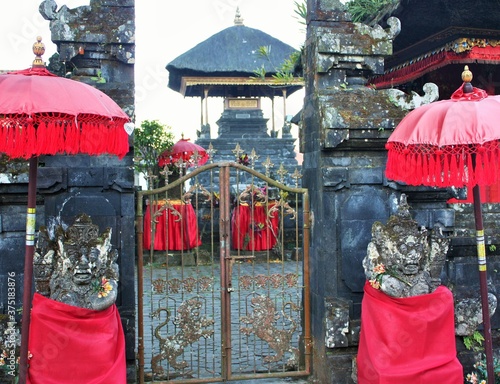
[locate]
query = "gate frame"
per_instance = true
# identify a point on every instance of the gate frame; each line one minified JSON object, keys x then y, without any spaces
{"x":224,"y":252}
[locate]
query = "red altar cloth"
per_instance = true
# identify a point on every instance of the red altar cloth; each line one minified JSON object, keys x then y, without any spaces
{"x":170,"y":231}
{"x":253,"y":229}
{"x":75,"y":345}
{"x":408,"y":340}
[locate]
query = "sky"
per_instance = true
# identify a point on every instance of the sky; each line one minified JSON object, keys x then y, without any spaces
{"x":165,"y":29}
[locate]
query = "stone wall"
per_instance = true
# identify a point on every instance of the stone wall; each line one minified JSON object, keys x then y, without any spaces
{"x":103,"y":186}
{"x":344,"y":130}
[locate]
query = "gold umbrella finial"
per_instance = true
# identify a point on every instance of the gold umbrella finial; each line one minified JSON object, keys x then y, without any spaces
{"x":38,"y":50}
{"x":467,"y":77}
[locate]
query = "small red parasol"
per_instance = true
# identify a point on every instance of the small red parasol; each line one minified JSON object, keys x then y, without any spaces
{"x":43,"y":114}
{"x":189,"y":153}
{"x":448,"y":143}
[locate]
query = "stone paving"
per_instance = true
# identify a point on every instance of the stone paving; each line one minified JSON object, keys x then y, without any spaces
{"x":165,"y":289}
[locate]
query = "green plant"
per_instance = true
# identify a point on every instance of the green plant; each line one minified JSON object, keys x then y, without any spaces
{"x":99,"y":78}
{"x":301,"y":12}
{"x":150,"y":140}
{"x":283,"y":73}
{"x":474,"y":342}
{"x":479,"y":375}
{"x":364,"y":10}
{"x":493,"y":247}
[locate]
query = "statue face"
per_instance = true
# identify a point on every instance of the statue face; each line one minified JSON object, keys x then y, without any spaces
{"x":85,"y":256}
{"x":84,"y":261}
{"x":408,"y":255}
{"x":82,"y":270}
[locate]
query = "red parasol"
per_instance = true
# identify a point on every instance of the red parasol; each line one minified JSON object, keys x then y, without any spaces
{"x":43,"y":114}
{"x":189,"y":153}
{"x":453,"y":142}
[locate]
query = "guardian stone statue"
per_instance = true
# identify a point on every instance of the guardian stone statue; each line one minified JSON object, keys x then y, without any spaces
{"x":77,"y":265}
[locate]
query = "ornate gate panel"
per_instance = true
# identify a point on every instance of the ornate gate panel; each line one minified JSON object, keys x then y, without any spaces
{"x":222,"y":277}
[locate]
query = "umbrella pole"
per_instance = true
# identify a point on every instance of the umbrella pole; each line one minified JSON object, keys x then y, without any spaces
{"x":483,"y":284}
{"x":28,"y":269}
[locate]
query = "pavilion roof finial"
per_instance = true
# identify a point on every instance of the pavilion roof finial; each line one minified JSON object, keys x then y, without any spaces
{"x":237,"y":18}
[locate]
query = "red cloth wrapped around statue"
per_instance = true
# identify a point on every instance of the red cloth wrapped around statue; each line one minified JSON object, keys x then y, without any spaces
{"x":253,"y":228}
{"x":69,"y":344}
{"x":176,"y":233}
{"x":408,"y":340}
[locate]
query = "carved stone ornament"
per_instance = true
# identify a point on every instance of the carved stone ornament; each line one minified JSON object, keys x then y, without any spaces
{"x":77,"y":265}
{"x":402,"y":259}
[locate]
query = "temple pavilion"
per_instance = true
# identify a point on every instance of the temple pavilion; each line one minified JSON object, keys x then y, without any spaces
{"x":225,"y":66}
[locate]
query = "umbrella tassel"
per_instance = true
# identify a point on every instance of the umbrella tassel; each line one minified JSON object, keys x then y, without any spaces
{"x":410,"y":166}
{"x":390,"y":168}
{"x":461,"y":166}
{"x":7,"y":142}
{"x":446,"y":171}
{"x":433,"y":163}
{"x":72,"y":138}
{"x":495,"y":158}
{"x":455,"y":174}
{"x":471,"y":180}
{"x":402,"y":165}
{"x":110,"y":144}
{"x":18,"y":144}
{"x":111,"y":140}
{"x":122,"y":140}
{"x":425,"y":170}
{"x":490,"y":165}
{"x":88,"y":142}
{"x":50,"y":144}
{"x":30,"y":140}
{"x":50,"y":139}
{"x":3,"y":137}
{"x":100,"y":145}
{"x":83,"y":137}
{"x":479,"y":166}
{"x":60,"y":144}
{"x":40,"y":139}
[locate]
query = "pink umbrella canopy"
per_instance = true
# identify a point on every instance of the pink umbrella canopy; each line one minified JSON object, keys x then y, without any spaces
{"x":190,"y":153}
{"x":448,"y":143}
{"x":451,"y":142}
{"x":43,"y":114}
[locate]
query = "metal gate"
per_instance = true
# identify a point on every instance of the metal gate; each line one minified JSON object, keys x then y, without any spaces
{"x":222,"y":274}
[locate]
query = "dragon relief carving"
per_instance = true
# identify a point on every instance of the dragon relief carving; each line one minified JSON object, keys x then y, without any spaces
{"x":262,"y":321}
{"x":190,"y":324}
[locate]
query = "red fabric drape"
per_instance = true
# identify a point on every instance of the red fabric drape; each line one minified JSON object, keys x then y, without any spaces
{"x":170,"y":231}
{"x":75,"y":345}
{"x":408,"y":340}
{"x":253,"y":229}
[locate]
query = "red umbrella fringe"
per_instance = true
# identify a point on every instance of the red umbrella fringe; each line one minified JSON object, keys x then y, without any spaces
{"x":458,"y":165}
{"x":20,"y":138}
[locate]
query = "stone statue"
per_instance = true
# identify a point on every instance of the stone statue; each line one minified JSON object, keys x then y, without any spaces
{"x":402,"y":259}
{"x":77,"y":266}
{"x":414,"y":100}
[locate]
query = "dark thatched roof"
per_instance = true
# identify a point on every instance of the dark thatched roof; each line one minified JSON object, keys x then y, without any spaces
{"x":230,"y":56}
